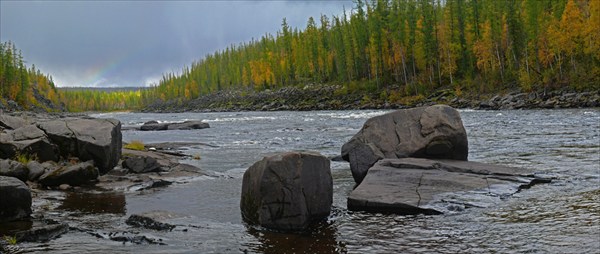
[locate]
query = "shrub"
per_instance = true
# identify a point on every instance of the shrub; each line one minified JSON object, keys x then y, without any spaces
{"x":25,"y":158}
{"x":135,"y":145}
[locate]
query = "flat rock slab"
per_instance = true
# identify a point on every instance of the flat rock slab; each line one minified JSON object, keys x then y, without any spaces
{"x":423,"y":186}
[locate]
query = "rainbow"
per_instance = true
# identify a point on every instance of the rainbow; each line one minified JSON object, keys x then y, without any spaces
{"x":100,"y":72}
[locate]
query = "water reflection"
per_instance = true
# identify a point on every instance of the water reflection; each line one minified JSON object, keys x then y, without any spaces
{"x":319,"y":239}
{"x":90,"y":202}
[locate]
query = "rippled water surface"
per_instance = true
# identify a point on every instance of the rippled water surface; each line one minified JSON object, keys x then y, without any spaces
{"x":561,"y":217}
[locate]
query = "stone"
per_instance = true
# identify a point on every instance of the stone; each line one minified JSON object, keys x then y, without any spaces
{"x":72,"y":175}
{"x":423,"y":186}
{"x":89,"y":139}
{"x":37,"y":169}
{"x":14,"y":169}
{"x":141,"y":164}
{"x":189,"y":125}
{"x":433,"y":132}
{"x":31,"y":141}
{"x":15,"y":199}
{"x":287,"y":191}
{"x":150,"y":220}
{"x":12,"y":122}
{"x":42,"y":233}
{"x":154,"y":126}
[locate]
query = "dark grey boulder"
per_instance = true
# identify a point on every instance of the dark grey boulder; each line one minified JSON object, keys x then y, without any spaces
{"x":287,"y":191}
{"x":433,"y":132}
{"x":14,"y":169}
{"x":141,"y":164}
{"x":423,"y":186}
{"x":15,"y":199}
{"x":189,"y":125}
{"x":28,"y":140}
{"x":89,"y":139}
{"x":73,"y":175}
{"x":12,"y":122}
{"x":154,"y":126}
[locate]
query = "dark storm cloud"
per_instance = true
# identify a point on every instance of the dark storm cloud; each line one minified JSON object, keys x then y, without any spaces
{"x":132,"y":43}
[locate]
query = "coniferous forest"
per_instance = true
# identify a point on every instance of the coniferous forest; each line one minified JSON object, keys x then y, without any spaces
{"x":395,"y":49}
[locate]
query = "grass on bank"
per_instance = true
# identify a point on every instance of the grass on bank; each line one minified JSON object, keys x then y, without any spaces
{"x":135,"y":145}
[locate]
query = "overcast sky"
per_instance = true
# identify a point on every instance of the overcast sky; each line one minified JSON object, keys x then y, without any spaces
{"x":132,"y":43}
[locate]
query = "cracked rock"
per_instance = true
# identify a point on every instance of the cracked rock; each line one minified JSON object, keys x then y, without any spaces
{"x":423,"y":186}
{"x":434,"y":132}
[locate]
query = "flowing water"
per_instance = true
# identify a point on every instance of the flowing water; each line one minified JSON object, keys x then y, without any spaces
{"x":560,"y":217}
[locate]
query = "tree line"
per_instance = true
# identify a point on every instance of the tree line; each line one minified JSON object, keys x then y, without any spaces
{"x":24,"y":85}
{"x":412,"y":47}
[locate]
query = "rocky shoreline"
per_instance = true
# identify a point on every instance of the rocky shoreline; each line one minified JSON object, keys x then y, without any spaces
{"x":49,"y":157}
{"x":324,"y":97}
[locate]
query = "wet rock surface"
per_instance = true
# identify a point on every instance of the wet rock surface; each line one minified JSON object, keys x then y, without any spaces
{"x":42,"y":231}
{"x":287,"y":191}
{"x":410,"y":185}
{"x":76,"y":174}
{"x":150,"y":220}
{"x":15,"y":199}
{"x":425,"y":132}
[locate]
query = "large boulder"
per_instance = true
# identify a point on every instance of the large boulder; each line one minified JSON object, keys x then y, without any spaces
{"x":15,"y":199}
{"x":13,"y":169}
{"x":415,"y":185}
{"x":89,"y":139}
{"x":426,"y":132}
{"x":287,"y":191}
{"x":72,"y":175}
{"x":28,"y":140}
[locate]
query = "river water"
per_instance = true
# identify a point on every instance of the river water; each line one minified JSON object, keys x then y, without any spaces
{"x":560,"y":217}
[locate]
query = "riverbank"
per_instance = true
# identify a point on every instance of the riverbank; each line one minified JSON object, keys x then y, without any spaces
{"x":324,"y":97}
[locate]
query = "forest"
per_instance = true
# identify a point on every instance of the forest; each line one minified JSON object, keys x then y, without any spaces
{"x":395,"y":49}
{"x":27,"y":87}
{"x":413,"y":47}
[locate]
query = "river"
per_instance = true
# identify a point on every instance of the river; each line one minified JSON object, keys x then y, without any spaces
{"x":560,"y":217}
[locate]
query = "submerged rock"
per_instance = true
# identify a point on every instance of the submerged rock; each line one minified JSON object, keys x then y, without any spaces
{"x":72,"y":175}
{"x":287,"y":191}
{"x":410,"y":185}
{"x":149,"y":220}
{"x":15,"y":199}
{"x":425,"y":132}
{"x":42,"y":233}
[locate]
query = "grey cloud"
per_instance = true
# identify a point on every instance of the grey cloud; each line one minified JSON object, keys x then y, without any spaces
{"x":127,"y":43}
